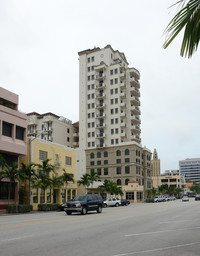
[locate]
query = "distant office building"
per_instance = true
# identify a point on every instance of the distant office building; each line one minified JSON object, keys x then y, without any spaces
{"x":12,"y":140}
{"x":190,"y":168}
{"x":53,"y":128}
{"x":155,"y":163}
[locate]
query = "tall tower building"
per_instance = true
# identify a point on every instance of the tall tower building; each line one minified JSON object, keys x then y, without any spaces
{"x":155,"y":164}
{"x":109,"y":114}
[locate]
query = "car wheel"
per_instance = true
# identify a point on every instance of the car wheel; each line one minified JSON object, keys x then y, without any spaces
{"x":84,"y":210}
{"x":126,"y":204}
{"x":104,"y":205}
{"x":99,"y":209}
{"x":68,"y":213}
{"x":116,"y":204}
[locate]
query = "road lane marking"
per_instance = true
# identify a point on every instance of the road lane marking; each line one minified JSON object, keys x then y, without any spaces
{"x":162,"y":231}
{"x":158,"y":249}
{"x":103,"y":213}
{"x":47,"y":221}
{"x":174,"y":221}
{"x":15,"y":238}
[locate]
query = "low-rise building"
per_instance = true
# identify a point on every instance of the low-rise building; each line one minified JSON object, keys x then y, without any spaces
{"x":169,"y":178}
{"x":62,"y":157}
{"x":12,"y":140}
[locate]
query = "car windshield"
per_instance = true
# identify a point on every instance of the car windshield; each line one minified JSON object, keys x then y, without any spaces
{"x":80,"y":198}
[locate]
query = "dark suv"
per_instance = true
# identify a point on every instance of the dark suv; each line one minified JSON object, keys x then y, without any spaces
{"x":85,"y":203}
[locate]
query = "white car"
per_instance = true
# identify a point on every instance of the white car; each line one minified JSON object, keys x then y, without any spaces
{"x":160,"y":198}
{"x":185,"y":199}
{"x":111,"y":202}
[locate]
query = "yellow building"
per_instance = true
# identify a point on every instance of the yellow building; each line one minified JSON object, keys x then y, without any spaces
{"x":133,"y":191}
{"x":62,"y":157}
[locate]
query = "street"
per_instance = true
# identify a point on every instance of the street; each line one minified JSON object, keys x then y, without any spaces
{"x":154,"y":229}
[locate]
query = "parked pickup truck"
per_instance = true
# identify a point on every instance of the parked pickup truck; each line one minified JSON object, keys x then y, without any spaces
{"x":111,"y":202}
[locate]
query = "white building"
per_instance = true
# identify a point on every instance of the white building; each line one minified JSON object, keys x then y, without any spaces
{"x":51,"y":127}
{"x":109,"y":100}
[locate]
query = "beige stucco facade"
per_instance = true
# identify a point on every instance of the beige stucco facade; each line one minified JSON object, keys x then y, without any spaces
{"x":121,"y":164}
{"x":171,"y":180}
{"x":57,"y":155}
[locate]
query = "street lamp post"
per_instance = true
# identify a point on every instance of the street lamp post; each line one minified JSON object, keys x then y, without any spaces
{"x":30,"y":141}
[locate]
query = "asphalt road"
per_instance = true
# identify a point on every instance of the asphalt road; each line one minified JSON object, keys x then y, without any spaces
{"x":159,"y":229}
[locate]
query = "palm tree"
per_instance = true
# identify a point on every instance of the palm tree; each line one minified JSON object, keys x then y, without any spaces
{"x":93,"y":177}
{"x":151,"y":192}
{"x":46,"y":167}
{"x":56,"y":182}
{"x":67,"y":177}
{"x":85,"y":181}
{"x":42,"y":178}
{"x":2,"y":161}
{"x":11,"y":173}
{"x":107,"y":186}
{"x":26,"y":172}
{"x":117,"y":190}
{"x":187,"y":18}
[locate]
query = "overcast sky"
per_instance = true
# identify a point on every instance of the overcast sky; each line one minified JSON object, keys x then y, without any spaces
{"x":39,"y":42}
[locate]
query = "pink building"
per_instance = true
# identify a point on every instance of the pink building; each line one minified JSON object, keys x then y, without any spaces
{"x":12,"y":139}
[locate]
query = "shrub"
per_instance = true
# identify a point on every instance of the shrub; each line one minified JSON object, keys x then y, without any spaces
{"x":149,"y":200}
{"x":11,"y":208}
{"x":48,"y":207}
{"x":21,"y":208}
{"x":25,"y":208}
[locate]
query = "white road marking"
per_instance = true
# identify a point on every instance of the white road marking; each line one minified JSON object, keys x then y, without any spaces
{"x":174,"y":221}
{"x":156,"y":250}
{"x":162,"y":231}
{"x":15,"y":239}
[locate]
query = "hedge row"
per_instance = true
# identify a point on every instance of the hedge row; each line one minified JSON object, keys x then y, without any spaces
{"x":21,"y":208}
{"x":48,"y":207}
{"x":149,"y":200}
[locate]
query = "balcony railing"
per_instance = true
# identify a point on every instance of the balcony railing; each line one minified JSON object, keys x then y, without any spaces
{"x":101,"y":86}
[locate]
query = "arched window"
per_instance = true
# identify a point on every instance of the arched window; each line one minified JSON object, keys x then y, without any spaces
{"x":127,"y":152}
{"x":91,"y":155}
{"x":99,"y":155}
{"x":119,"y":182}
{"x":126,"y":181}
{"x":118,"y":153}
{"x":105,"y":154}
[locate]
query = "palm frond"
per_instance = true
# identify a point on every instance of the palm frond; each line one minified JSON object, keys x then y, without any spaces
{"x":189,"y":18}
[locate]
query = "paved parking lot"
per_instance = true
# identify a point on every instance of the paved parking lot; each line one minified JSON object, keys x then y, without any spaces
{"x":161,"y":229}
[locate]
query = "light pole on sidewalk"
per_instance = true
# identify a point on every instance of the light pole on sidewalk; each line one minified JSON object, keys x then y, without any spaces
{"x":29,"y":160}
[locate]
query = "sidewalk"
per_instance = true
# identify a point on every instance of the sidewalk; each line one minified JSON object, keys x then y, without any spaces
{"x":3,"y":212}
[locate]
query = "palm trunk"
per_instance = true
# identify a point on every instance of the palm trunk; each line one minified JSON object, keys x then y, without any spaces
{"x":9,"y":192}
{"x":29,"y":189}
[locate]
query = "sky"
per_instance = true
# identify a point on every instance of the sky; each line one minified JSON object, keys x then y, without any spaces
{"x":39,"y":45}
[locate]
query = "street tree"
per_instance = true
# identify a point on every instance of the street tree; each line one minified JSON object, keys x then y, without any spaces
{"x":93,"y":177}
{"x":67,"y":177}
{"x":187,"y":19}
{"x":26,"y":172}
{"x":11,"y":173}
{"x":85,"y":181}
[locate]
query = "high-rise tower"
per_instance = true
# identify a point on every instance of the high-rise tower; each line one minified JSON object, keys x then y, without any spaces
{"x":109,"y":112}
